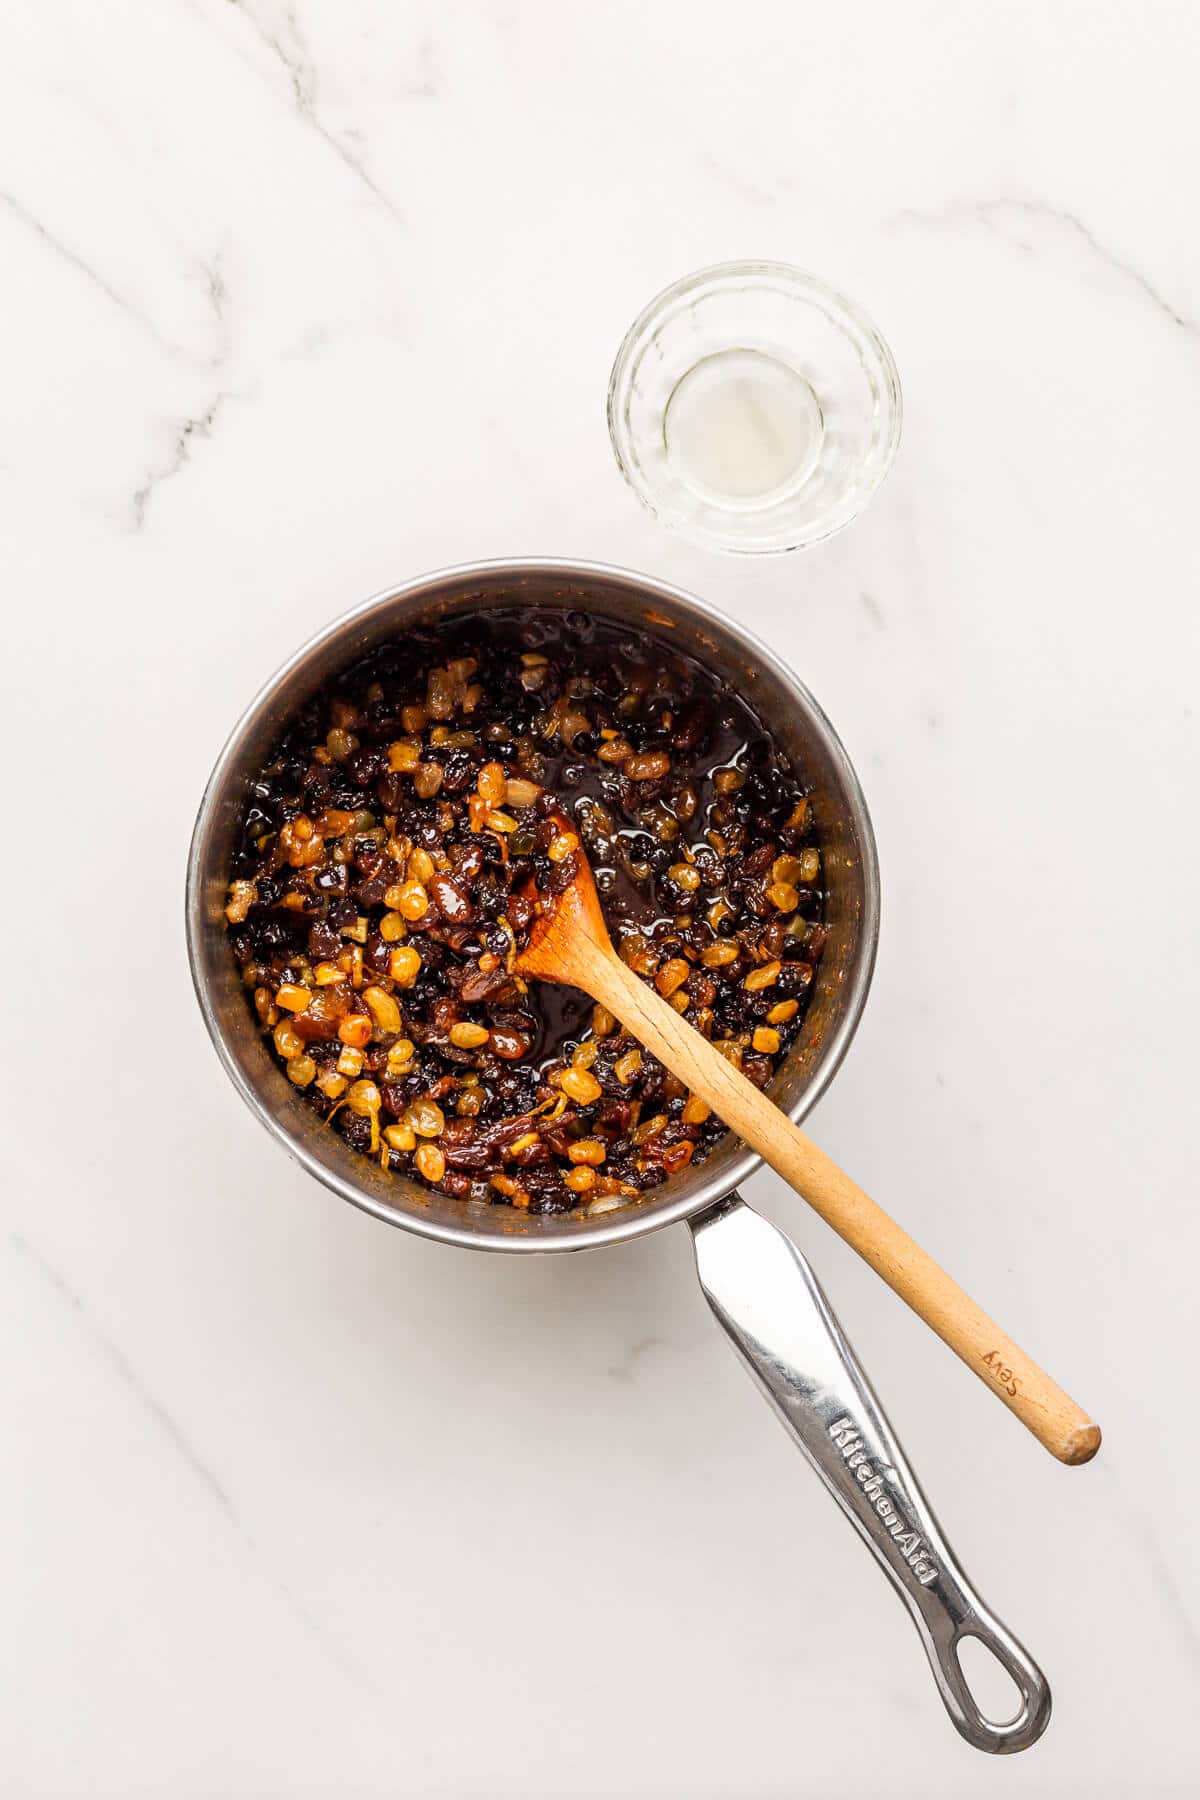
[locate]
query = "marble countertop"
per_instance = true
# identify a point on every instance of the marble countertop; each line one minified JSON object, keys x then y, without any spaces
{"x":301,"y":300}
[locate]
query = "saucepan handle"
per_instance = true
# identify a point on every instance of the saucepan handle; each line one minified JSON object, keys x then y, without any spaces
{"x":774,"y":1313}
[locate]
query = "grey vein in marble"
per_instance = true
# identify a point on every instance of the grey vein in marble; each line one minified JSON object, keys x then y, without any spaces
{"x":200,"y":426}
{"x":121,"y":301}
{"x":302,"y":75}
{"x":75,"y":260}
{"x":121,"y":1365}
{"x":427,"y":83}
{"x":124,"y":1370}
{"x":217,"y":296}
{"x":999,"y":216}
{"x":730,"y":178}
{"x":624,"y":1370}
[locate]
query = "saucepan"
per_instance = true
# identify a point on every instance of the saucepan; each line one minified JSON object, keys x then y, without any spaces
{"x":760,"y":1288}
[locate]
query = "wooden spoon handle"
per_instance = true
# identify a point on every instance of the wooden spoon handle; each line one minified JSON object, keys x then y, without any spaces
{"x":1040,"y":1404}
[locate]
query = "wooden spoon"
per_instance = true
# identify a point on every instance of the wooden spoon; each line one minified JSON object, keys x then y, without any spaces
{"x":569,"y":943}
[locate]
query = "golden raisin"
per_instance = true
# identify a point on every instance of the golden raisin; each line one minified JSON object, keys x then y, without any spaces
{"x":426,"y":1118}
{"x":765,"y":1040}
{"x":685,"y":876}
{"x":493,"y":784}
{"x":400,"y":1137}
{"x":430,"y":1162}
{"x":783,"y":896}
{"x":355,"y":1030}
{"x":468,"y":1036}
{"x":301,"y":1070}
{"x":650,"y":766}
{"x":649,"y":1128}
{"x":672,"y":975}
{"x":627,"y":1066}
{"x":762,"y":977}
{"x":404,"y":965}
{"x":382,"y":1008}
{"x":587,"y":1150}
{"x":782,"y":1012}
{"x":519,"y":791}
{"x":363,"y":1098}
{"x":581,"y":1087}
{"x":288,"y":1041}
{"x":715,"y":956}
{"x":580,"y":1180}
{"x":413,"y":900}
{"x":695,"y":1110}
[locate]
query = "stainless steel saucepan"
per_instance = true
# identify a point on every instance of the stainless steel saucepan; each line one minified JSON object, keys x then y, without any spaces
{"x":757,"y":1283}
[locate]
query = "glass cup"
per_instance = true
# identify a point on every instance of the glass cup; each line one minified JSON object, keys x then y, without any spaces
{"x":754,"y":408}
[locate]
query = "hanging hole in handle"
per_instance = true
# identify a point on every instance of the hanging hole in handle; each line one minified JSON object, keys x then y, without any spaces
{"x":991,"y":1685}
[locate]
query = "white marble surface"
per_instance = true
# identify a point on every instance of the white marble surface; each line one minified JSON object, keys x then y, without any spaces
{"x":299,"y":300}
